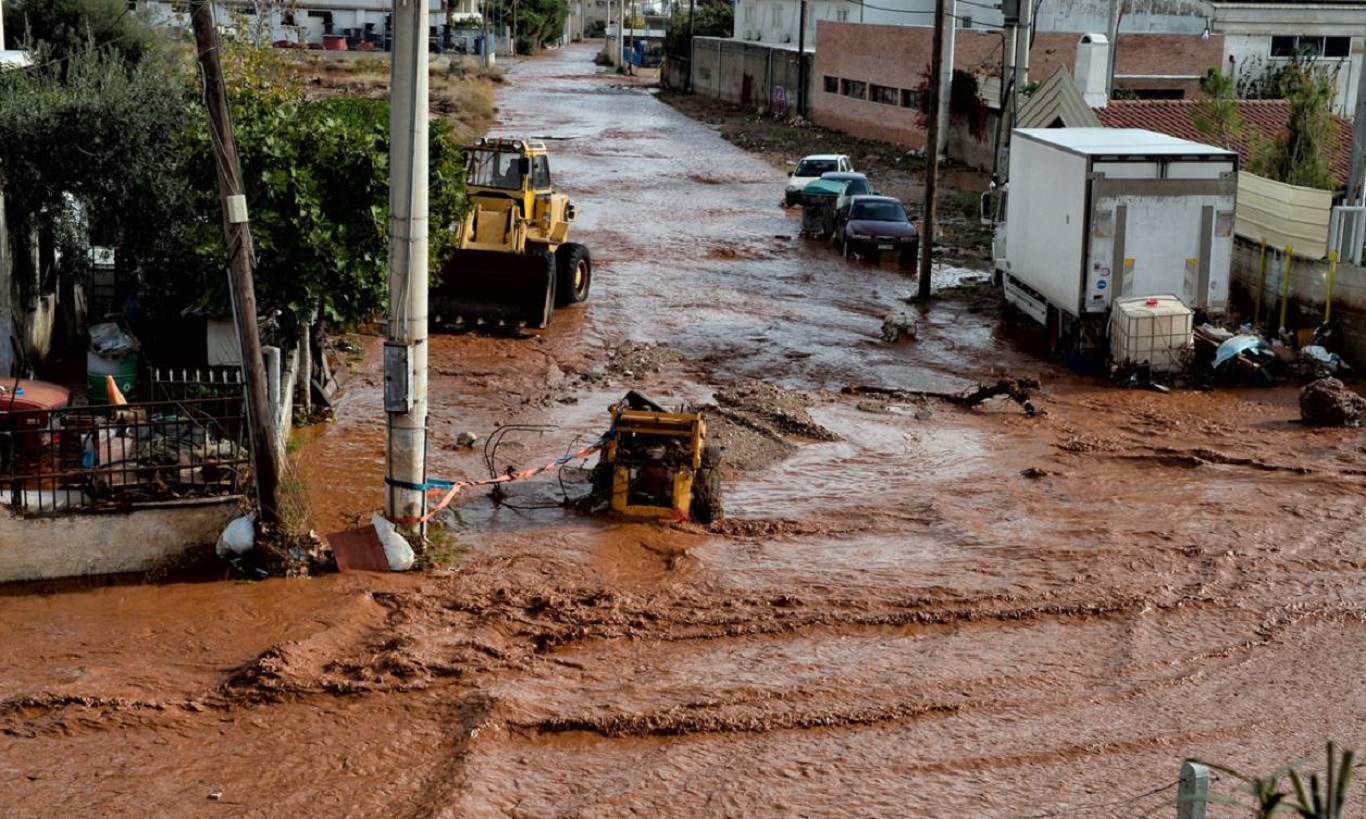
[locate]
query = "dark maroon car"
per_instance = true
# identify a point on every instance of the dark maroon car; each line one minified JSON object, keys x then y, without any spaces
{"x":872,"y":225}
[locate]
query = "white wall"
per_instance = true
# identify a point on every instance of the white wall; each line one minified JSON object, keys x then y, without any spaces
{"x":78,"y":544}
{"x":755,"y":19}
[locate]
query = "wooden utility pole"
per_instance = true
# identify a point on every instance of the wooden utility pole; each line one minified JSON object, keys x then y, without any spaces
{"x":692,"y":10}
{"x":801,"y":62}
{"x":932,"y":151}
{"x":237,"y":236}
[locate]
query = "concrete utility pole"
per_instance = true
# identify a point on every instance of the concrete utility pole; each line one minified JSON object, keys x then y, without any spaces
{"x":487,"y":49}
{"x":801,"y":62}
{"x":237,"y":237}
{"x":932,"y":153}
{"x":1024,"y":37}
{"x":405,"y":349}
{"x":946,"y":83}
{"x":1356,"y":189}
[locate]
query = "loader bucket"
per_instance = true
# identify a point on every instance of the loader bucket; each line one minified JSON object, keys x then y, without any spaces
{"x":491,"y":289}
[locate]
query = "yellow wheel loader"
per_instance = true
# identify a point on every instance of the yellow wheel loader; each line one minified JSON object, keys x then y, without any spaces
{"x":512,"y":265}
{"x":656,"y":464}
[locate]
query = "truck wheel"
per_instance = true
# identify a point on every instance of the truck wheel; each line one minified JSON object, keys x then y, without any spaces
{"x":574,"y":271}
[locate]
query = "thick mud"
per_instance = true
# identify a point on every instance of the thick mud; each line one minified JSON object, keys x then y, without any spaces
{"x":923,"y":610}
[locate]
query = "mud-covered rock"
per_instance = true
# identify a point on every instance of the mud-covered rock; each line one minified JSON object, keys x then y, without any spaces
{"x":1328,"y":402}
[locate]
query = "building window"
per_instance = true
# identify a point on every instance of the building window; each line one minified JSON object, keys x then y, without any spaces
{"x":749,"y":13}
{"x":777,"y":16}
{"x":854,"y":88}
{"x":910,"y":98}
{"x":1336,"y":47}
{"x":842,"y":16}
{"x":832,"y":84}
{"x":884,"y":95}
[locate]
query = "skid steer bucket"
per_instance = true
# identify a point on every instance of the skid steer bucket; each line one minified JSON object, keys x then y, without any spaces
{"x":491,"y":288}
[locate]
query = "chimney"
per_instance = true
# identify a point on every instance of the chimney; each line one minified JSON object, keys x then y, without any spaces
{"x":1093,"y":60}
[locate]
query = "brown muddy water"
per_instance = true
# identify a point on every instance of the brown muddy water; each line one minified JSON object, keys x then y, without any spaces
{"x":896,"y":622}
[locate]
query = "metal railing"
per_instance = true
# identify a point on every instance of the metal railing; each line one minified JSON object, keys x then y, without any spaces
{"x":111,"y":458}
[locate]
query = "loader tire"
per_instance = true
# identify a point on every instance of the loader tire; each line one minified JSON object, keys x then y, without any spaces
{"x":541,"y":305}
{"x":706,"y":493}
{"x":574,"y":274}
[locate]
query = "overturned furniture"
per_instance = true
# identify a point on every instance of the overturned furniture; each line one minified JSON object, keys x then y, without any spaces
{"x":656,"y":464}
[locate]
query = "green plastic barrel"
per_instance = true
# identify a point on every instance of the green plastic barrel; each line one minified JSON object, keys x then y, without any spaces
{"x":124,"y":368}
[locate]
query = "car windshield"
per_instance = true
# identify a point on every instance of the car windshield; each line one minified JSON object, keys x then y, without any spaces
{"x":495,"y":169}
{"x":878,"y":212}
{"x":815,"y":167}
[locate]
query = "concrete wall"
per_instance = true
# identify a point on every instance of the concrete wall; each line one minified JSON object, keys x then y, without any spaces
{"x":753,"y":75}
{"x":1307,"y":295}
{"x":75,"y":545}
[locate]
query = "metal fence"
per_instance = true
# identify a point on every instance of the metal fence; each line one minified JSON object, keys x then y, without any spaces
{"x":93,"y":459}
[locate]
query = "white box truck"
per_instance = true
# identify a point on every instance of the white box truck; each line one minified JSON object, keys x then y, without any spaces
{"x":1092,"y":215}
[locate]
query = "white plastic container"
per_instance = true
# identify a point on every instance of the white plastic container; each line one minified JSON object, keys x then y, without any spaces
{"x":1152,"y":330}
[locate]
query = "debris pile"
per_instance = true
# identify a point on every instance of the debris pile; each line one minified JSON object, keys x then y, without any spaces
{"x":1328,"y":402}
{"x":1230,"y":358}
{"x":896,"y":326}
{"x":753,"y":421}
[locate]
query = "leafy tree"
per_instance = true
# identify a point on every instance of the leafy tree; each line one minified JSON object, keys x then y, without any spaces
{"x":1217,"y":117}
{"x":57,"y":29}
{"x":713,"y":18}
{"x":1303,"y":156}
{"x":316,"y":174}
{"x":539,"y":22}
{"x":84,"y":145}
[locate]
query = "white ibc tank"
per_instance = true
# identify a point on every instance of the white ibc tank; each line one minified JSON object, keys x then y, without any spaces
{"x":1152,"y":330}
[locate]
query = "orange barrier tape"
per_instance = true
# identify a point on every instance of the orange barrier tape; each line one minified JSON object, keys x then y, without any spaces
{"x":454,"y":489}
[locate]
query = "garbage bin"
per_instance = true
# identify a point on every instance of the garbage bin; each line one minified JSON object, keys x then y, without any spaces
{"x":113,"y":351}
{"x":818,"y":207}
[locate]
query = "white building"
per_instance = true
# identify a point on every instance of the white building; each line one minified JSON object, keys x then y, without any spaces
{"x":307,"y":22}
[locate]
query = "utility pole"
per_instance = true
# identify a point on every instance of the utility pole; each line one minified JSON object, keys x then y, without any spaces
{"x":932,"y":153}
{"x":1023,"y":41}
{"x":801,"y":62}
{"x":405,"y":348}
{"x":487,"y":50}
{"x":1356,"y":189}
{"x":946,"y":80}
{"x":514,"y":27}
{"x":237,"y":237}
{"x":630,"y":65}
{"x":687,"y":81}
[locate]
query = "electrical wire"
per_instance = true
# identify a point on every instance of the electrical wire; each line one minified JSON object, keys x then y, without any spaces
{"x":1090,"y":809}
{"x":960,"y":17}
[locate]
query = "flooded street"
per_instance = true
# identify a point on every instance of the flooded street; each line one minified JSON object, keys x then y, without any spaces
{"x":942,"y":612}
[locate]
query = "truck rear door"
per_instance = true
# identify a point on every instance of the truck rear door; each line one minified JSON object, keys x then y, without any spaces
{"x":1160,"y":236}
